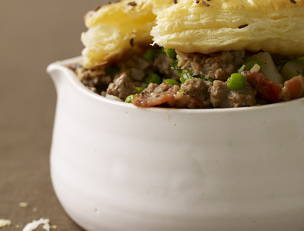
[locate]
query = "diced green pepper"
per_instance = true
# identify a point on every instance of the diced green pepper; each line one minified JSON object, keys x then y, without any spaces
{"x":153,"y":78}
{"x":170,"y":82}
{"x":237,"y":82}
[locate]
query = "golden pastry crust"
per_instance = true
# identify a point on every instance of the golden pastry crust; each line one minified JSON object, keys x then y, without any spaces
{"x":115,"y":28}
{"x":201,"y":26}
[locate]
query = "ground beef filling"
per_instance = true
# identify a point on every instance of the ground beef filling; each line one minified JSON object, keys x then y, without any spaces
{"x":168,"y":78}
{"x":218,"y":66}
{"x":122,"y":86}
{"x":221,"y":96}
{"x":193,"y":93}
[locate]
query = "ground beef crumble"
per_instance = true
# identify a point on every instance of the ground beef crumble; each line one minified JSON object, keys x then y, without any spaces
{"x":168,"y":78}
{"x":162,"y":63}
{"x":95,"y":79}
{"x":122,"y":86}
{"x":223,"y":97}
{"x":217,"y":66}
{"x":192,"y":94}
{"x":156,"y":95}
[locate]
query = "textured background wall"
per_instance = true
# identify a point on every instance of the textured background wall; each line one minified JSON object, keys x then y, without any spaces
{"x":33,"y":33}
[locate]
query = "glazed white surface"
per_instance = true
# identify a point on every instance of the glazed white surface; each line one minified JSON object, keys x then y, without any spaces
{"x":116,"y":167}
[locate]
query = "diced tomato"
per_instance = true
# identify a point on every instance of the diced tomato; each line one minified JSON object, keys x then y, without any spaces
{"x":156,"y":96}
{"x":266,"y":89}
{"x":293,"y":88}
{"x":143,"y":101}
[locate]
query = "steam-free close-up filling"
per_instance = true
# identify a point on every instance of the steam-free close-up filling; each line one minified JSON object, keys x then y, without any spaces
{"x":155,"y":76}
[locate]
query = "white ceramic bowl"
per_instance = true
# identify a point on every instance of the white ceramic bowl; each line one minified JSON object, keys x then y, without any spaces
{"x":116,"y":167}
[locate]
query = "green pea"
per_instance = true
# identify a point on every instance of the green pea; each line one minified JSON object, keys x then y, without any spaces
{"x":170,"y":82}
{"x":236,"y":82}
{"x":153,"y":78}
{"x":170,"y":53}
{"x":150,"y":54}
{"x":112,"y":70}
{"x":130,"y":99}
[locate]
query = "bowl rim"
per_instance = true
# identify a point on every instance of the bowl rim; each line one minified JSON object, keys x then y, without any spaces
{"x":62,"y":65}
